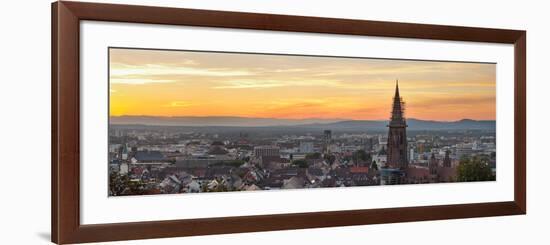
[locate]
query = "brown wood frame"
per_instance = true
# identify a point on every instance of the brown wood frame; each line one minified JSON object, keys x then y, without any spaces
{"x":66,"y":227}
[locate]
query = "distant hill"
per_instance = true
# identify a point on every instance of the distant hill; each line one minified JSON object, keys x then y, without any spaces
{"x":413,"y":124}
{"x":215,"y":121}
{"x":320,"y":124}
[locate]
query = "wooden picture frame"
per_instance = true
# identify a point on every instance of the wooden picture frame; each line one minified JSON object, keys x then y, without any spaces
{"x":66,"y":226}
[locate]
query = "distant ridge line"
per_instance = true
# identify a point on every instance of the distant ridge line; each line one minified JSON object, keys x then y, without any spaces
{"x":336,"y":124}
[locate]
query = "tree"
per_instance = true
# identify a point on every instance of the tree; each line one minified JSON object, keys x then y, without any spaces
{"x":361,"y":155}
{"x":474,"y":169}
{"x":117,"y":183}
{"x":233,"y":163}
{"x":315,"y":155}
{"x":374,"y":166}
{"x":220,"y":188}
{"x":300,"y":163}
{"x":122,"y":185}
{"x":330,"y":158}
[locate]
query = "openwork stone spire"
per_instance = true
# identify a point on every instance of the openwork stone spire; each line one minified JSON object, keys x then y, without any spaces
{"x":398,"y":109}
{"x":397,"y":134}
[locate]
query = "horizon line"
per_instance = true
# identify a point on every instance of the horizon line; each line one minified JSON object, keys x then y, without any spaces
{"x":301,"y":119}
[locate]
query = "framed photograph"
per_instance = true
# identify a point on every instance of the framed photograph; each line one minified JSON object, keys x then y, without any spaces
{"x":177,"y":122}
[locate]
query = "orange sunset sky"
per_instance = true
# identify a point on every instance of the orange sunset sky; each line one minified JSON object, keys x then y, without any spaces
{"x":181,"y":83}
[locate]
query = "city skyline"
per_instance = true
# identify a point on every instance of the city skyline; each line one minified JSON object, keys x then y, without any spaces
{"x":160,"y":159}
{"x":206,"y":84}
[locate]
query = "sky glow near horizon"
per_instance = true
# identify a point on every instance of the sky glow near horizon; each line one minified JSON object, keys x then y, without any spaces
{"x":186,"y":83}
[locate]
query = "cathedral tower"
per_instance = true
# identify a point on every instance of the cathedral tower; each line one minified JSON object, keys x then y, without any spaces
{"x":397,"y":135}
{"x":447,"y":160}
{"x":433,"y":164}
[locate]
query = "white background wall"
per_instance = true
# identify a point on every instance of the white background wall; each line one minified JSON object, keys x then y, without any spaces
{"x":25,"y":123}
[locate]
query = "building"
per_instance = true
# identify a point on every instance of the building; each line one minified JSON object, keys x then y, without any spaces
{"x":266,"y":151}
{"x":327,"y":139}
{"x":465,"y":149}
{"x":389,"y":176}
{"x":447,"y":160}
{"x":124,"y":152}
{"x":368,"y":144}
{"x":306,"y":147}
{"x":433,"y":165}
{"x":421,"y":175}
{"x":397,"y":134}
{"x":381,"y":158}
{"x":217,"y":148}
{"x":124,"y":168}
{"x":149,"y":158}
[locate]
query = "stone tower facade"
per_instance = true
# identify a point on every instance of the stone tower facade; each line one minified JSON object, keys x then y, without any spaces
{"x":397,"y":135}
{"x":447,"y":160}
{"x":433,"y":165}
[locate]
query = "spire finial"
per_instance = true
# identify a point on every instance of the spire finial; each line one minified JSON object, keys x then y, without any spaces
{"x":397,"y":87}
{"x":397,"y":84}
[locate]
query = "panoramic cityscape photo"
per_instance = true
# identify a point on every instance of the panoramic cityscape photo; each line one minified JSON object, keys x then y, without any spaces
{"x":196,"y":121}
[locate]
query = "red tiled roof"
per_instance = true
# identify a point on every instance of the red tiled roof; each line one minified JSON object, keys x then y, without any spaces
{"x":413,"y":172}
{"x":357,"y":170}
{"x":446,"y":174}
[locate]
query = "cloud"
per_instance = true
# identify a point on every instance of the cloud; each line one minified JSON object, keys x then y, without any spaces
{"x":175,"y":70}
{"x":130,"y":74}
{"x":179,"y":104}
{"x":157,"y":57}
{"x":137,"y":81}
{"x":244,"y":84}
{"x":273,"y":83}
{"x":290,"y":70}
{"x":454,"y":101}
